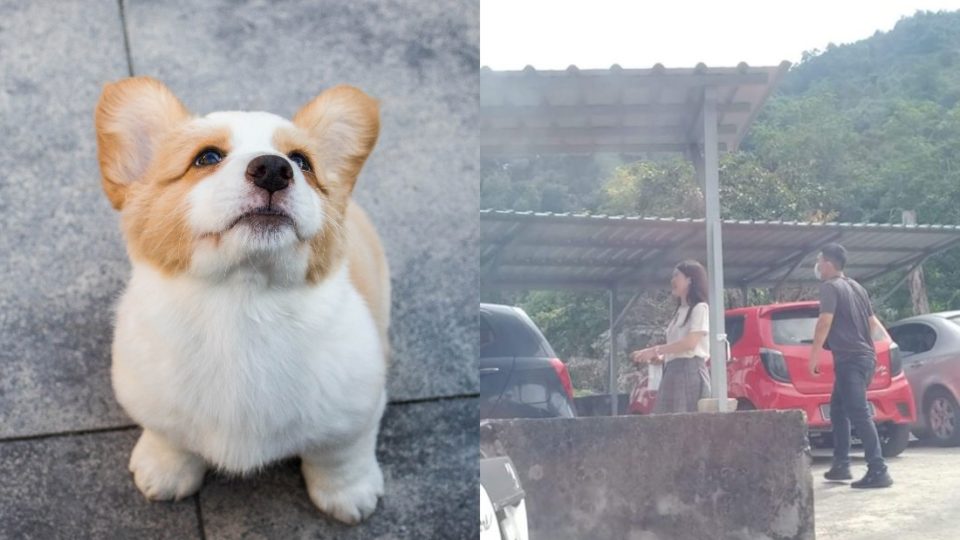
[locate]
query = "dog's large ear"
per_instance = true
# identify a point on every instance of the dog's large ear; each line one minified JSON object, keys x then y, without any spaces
{"x":345,"y":123}
{"x":131,"y":117}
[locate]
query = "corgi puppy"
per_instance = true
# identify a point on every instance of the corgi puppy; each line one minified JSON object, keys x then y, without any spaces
{"x":254,"y":325}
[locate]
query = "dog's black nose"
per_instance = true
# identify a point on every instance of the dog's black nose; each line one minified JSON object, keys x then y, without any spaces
{"x":269,"y":172}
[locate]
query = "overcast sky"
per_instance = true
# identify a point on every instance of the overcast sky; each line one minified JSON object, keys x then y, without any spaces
{"x":552,"y":34}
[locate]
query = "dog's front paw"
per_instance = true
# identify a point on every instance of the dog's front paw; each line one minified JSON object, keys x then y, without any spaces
{"x":347,"y":502}
{"x":162,"y":471}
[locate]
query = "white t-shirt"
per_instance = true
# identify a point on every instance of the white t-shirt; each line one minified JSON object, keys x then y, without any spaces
{"x":699,"y":322}
{"x":677,"y":330}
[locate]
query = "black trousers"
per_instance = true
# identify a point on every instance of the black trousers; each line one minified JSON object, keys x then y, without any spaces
{"x":848,"y":405}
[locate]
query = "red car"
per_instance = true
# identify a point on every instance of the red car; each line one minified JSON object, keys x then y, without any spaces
{"x":768,"y":369}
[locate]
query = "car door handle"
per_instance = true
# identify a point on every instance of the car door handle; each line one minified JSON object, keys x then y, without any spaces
{"x":484,"y":370}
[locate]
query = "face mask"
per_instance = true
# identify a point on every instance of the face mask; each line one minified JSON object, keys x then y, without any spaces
{"x":816,"y":271}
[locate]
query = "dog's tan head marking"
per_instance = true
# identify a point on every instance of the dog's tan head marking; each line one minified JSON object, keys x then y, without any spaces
{"x":176,"y":201}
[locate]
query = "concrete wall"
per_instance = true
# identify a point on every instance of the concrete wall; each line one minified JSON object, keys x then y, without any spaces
{"x":734,"y":476}
{"x":599,"y":404}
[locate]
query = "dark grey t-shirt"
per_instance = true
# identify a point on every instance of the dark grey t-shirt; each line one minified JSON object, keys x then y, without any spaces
{"x":850,"y":333}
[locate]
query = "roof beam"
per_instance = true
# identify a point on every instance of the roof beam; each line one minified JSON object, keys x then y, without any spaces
{"x":902,"y":280}
{"x":532,"y":284}
{"x":948,"y":231}
{"x":649,"y":281}
{"x":598,"y":244}
{"x":567,"y":112}
{"x":792,"y":261}
{"x":632,"y":265}
{"x":532,"y":80}
{"x":549,"y":134}
{"x":491,"y":149}
{"x":490,"y":264}
{"x":922,"y":256}
{"x":782,"y":280}
{"x":786,"y":261}
{"x":774,"y":83}
{"x":568,"y":263}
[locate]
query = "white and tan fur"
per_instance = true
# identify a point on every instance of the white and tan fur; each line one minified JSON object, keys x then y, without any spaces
{"x":238,"y":343}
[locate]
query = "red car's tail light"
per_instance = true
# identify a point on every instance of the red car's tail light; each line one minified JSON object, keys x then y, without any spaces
{"x":896,"y":362}
{"x":775,"y":364}
{"x":564,"y":376}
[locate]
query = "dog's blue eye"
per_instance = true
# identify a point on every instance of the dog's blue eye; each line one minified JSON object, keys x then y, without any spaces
{"x":301,"y":161}
{"x":207,"y":157}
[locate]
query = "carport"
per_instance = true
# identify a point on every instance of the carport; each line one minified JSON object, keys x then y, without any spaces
{"x":698,"y":112}
{"x":617,"y":254}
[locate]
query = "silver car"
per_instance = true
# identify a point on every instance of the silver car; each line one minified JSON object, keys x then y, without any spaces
{"x":930,"y":345}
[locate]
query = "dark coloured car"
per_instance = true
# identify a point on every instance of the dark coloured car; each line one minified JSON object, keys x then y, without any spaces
{"x":930,"y":345}
{"x":520,"y":375}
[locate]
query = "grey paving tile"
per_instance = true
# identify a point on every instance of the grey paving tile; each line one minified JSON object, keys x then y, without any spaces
{"x":78,"y":486}
{"x":421,"y":185}
{"x":429,"y":455}
{"x":61,"y":259}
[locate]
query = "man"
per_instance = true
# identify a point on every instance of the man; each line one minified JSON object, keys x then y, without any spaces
{"x":847,"y":325}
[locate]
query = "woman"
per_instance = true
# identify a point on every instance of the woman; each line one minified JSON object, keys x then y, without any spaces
{"x":685,"y":380}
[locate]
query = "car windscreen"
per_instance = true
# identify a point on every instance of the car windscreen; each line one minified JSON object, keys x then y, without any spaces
{"x":795,"y":326}
{"x":507,"y":335}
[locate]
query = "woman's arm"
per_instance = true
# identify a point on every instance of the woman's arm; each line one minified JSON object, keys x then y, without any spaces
{"x":681,"y":345}
{"x":684,"y":344}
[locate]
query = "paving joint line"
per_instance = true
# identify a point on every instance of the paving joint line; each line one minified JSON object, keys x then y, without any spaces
{"x":200,"y":527}
{"x":126,"y":37}
{"x":415,"y":401}
{"x":68,"y":433}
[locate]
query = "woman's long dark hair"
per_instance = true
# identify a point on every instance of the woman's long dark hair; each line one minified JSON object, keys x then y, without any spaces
{"x":697,"y":292}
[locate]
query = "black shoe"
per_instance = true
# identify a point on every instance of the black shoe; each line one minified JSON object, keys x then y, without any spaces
{"x":875,"y":478}
{"x":838,"y":472}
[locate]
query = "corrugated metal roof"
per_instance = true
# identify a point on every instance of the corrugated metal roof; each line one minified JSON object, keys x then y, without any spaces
{"x":564,"y":251}
{"x":585,"y":111}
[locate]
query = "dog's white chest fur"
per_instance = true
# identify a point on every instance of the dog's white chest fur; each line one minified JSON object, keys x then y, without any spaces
{"x":242,"y":373}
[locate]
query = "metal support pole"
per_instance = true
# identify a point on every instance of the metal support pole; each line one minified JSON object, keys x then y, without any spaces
{"x":626,"y":308}
{"x":711,"y":170}
{"x":612,"y":368}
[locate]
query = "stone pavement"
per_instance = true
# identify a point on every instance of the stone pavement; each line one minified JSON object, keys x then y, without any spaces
{"x":64,"y":441}
{"x":922,"y":503}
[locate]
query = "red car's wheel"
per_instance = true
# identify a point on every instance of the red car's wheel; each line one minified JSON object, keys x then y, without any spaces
{"x":894,"y":439}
